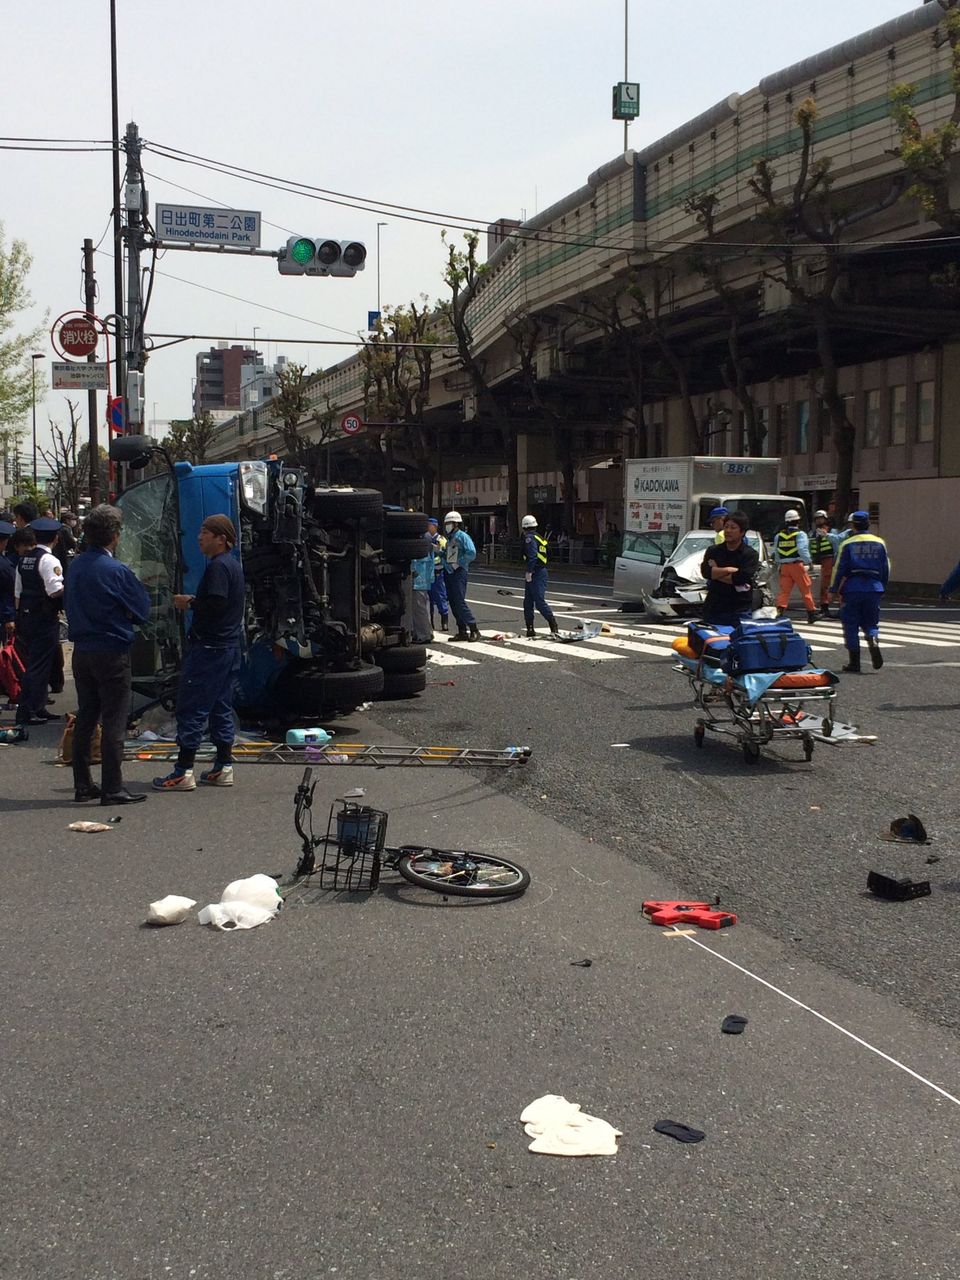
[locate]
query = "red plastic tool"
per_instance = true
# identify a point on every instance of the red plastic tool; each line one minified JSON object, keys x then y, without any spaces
{"x":703,"y":914}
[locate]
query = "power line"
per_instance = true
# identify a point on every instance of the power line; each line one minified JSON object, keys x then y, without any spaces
{"x":99,"y":141}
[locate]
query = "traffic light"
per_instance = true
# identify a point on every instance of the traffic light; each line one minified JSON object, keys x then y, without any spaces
{"x":303,"y":256}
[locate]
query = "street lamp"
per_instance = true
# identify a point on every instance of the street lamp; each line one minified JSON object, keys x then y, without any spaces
{"x":379,"y":225}
{"x":33,"y":400}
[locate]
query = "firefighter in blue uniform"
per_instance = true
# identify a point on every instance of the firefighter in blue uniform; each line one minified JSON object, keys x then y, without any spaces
{"x":535,"y":575}
{"x":860,"y":578}
{"x":212,"y":661}
{"x":39,"y":595}
{"x":438,"y":591}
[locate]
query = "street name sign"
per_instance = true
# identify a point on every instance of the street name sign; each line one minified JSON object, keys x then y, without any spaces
{"x":67,"y":376}
{"x":195,"y":224}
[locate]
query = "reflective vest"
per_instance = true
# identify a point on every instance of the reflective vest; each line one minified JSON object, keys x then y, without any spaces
{"x":34,"y":601}
{"x":821,"y":548}
{"x":787,"y":544}
{"x":439,"y":544}
{"x":541,"y":548}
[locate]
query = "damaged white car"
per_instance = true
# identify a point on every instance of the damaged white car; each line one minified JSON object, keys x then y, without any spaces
{"x":681,"y":590}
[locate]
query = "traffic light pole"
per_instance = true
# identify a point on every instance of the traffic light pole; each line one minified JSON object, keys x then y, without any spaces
{"x":135,"y":199}
{"x":93,"y":444}
{"x":119,"y":336}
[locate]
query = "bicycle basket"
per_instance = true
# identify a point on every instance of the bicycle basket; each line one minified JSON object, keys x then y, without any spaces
{"x":352,"y":848}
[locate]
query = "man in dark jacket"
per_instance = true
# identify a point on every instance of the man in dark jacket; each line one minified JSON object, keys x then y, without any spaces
{"x":104,"y":599}
{"x":39,"y":594}
{"x":730,"y":568}
{"x":212,"y":661}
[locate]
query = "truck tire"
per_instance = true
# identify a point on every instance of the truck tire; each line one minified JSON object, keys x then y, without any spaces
{"x":347,"y":504}
{"x":403,"y":684}
{"x":408,"y":657}
{"x":399,"y":550}
{"x":312,"y":693}
{"x":404,"y":524}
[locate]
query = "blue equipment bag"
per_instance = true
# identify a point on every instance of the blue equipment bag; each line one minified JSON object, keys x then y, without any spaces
{"x":766,"y":646}
{"x":710,"y":643}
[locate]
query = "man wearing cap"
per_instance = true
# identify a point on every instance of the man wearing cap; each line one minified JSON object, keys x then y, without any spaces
{"x":824,"y":544}
{"x":38,"y":590}
{"x":717,"y":519}
{"x":791,"y":553}
{"x":438,"y":588}
{"x":860,"y":578}
{"x":104,"y":600}
{"x":535,"y":578}
{"x":212,"y":661}
{"x":730,"y":568}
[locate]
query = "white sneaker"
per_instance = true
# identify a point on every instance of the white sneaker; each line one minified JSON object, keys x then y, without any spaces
{"x":176,"y":782}
{"x":219,"y":776}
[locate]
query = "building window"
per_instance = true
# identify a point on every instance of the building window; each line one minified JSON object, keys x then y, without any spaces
{"x":781,"y":440}
{"x":802,"y":436}
{"x":924,"y":412}
{"x":898,"y":415}
{"x":871,"y":420}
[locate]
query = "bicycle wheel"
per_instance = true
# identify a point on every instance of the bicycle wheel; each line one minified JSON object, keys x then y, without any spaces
{"x":461,"y":873}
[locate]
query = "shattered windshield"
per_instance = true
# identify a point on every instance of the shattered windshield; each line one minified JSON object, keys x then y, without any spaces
{"x":149,"y":545}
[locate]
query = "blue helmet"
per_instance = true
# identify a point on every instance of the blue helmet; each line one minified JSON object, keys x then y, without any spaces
{"x":718,"y":511}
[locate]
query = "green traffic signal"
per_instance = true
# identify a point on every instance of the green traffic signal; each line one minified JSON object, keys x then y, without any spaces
{"x":302,"y":251}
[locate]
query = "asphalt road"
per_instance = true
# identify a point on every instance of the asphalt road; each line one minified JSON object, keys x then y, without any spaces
{"x":338,"y":1092}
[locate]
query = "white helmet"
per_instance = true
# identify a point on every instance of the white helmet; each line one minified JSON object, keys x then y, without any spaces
{"x":820,"y":515}
{"x":791,"y":515}
{"x":453,"y":517}
{"x":528,"y":522}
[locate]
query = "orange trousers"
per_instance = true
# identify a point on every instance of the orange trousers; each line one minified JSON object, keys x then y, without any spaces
{"x":826,"y":573}
{"x":793,"y":575}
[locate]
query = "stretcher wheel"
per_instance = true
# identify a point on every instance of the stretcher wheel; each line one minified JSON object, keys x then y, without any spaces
{"x":807,"y":747}
{"x":699,"y":733}
{"x":751,"y":752}
{"x":827,"y":728}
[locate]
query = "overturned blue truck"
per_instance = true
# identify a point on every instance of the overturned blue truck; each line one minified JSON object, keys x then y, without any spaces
{"x":327,"y":574}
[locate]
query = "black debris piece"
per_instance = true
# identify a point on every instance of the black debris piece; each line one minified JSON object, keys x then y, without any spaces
{"x":682,"y":1132}
{"x":581,"y":964}
{"x":733,"y":1024}
{"x":908,"y":830}
{"x":896,"y":890}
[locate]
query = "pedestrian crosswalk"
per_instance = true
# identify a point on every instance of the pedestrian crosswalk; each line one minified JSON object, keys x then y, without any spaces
{"x":928,"y":640}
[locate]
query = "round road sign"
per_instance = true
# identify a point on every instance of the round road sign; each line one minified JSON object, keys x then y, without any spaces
{"x":351,"y":424}
{"x":78,"y":336}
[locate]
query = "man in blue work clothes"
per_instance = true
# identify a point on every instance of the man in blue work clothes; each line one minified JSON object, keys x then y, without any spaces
{"x":104,"y":600}
{"x":438,"y":588}
{"x":212,"y":661}
{"x":535,"y":576}
{"x":860,"y":578}
{"x":39,"y":594}
{"x":458,"y":555}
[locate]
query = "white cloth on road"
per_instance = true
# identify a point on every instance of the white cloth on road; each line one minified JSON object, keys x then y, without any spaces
{"x":560,"y":1128}
{"x":244,"y":904}
{"x":169,"y":910}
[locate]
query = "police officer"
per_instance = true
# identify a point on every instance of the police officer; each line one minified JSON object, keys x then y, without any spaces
{"x":458,"y":555}
{"x":860,"y":578}
{"x":104,"y":598}
{"x":39,"y":594}
{"x":438,"y":589}
{"x":212,"y":661}
{"x":535,"y":576}
{"x":823,"y":551}
{"x":8,"y":581}
{"x":791,"y":551}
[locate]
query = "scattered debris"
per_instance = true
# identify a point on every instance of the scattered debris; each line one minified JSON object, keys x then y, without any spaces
{"x":908,"y":830}
{"x":575,"y":629}
{"x":894,"y":890}
{"x":499,"y":638}
{"x":581,"y":964}
{"x":933,"y":858}
{"x":169,"y":910}
{"x":89,"y":827}
{"x":619,"y":744}
{"x":606,"y":629}
{"x":441,"y":684}
{"x":244,"y":904}
{"x":733,"y":1024}
{"x":682,"y":1132}
{"x":502,"y":591}
{"x":560,"y":1128}
{"x":316,"y":737}
{"x":704,"y":914}
{"x":17,"y":734}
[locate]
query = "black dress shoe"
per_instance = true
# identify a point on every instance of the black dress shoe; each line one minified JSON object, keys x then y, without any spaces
{"x":86,"y":793}
{"x":35,"y":720}
{"x":123,"y":797}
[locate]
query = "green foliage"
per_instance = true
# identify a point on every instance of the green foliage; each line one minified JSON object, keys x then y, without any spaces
{"x":16,"y":374}
{"x":305,"y":428}
{"x":190,"y":439}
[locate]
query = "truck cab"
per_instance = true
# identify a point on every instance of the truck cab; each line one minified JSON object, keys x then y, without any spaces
{"x":327,"y":582}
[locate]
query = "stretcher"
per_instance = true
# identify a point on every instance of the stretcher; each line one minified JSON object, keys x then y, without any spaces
{"x":765,"y":707}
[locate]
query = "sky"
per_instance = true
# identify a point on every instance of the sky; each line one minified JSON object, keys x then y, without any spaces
{"x":495,"y":108}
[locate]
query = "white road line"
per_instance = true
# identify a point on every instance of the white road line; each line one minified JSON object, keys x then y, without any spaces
{"x":575,"y":649}
{"x":501,"y":651}
{"x":444,"y":659}
{"x":632,"y":646}
{"x":894,"y":633}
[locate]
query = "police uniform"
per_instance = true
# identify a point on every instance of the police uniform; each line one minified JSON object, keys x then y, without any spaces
{"x":39,"y":594}
{"x":860,"y":578}
{"x":534,"y":594}
{"x":438,"y":588}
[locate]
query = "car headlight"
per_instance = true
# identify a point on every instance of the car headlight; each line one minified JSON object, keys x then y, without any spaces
{"x":253,"y":486}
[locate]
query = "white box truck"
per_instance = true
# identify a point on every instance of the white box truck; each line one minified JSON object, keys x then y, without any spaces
{"x":666,"y":498}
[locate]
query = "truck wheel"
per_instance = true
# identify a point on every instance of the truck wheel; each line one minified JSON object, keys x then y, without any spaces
{"x":403,"y":684}
{"x":409,"y":657}
{"x":399,"y":550}
{"x":347,"y":504}
{"x":313,"y":693}
{"x":404,"y":524}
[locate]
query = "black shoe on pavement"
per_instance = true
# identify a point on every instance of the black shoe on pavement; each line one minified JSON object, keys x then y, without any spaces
{"x":461,"y":635}
{"x":531,"y":634}
{"x":876,"y":657}
{"x":92,"y":792}
{"x":122,"y":797}
{"x":443,"y":622}
{"x":36,"y":720}
{"x":853,"y":666}
{"x":812,"y":616}
{"x":49,"y":715}
{"x":474,"y":634}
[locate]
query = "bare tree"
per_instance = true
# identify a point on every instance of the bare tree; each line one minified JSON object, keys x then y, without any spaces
{"x":651,"y":291}
{"x":461,"y":275}
{"x":66,"y":459}
{"x":621,"y":343}
{"x":306,"y":430}
{"x":190,"y":439}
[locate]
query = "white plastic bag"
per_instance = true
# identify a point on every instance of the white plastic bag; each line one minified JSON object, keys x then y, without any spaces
{"x":244,"y":904}
{"x":169,"y":910}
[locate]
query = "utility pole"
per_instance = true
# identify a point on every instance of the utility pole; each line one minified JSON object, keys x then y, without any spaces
{"x":120,"y":382}
{"x":93,"y":444}
{"x":626,"y":36}
{"x":135,"y":200}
